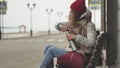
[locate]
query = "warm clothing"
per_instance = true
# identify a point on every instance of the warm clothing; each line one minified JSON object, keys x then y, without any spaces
{"x":85,"y":33}
{"x":85,"y":36}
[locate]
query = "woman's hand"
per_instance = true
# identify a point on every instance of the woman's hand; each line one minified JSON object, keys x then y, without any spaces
{"x":64,"y":28}
{"x":70,"y":37}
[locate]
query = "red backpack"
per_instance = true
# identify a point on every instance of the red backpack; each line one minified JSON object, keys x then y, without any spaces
{"x":71,"y":59}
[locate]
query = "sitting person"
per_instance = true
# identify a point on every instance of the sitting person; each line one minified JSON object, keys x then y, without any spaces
{"x":82,"y":31}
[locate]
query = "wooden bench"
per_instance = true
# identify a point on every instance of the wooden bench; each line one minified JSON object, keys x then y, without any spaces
{"x":97,"y":51}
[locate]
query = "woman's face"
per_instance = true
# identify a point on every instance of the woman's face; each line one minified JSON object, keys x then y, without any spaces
{"x":74,"y":16}
{"x":71,"y":15}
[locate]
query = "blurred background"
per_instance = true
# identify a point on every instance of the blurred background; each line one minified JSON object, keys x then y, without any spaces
{"x":27,"y":27}
{"x":34,"y":16}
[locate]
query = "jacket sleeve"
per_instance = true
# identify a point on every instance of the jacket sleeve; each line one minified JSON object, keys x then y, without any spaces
{"x":88,"y":41}
{"x":57,"y":25}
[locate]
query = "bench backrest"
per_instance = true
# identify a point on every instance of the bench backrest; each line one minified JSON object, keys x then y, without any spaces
{"x":97,"y":51}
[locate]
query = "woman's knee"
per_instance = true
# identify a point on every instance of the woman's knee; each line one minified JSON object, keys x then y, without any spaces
{"x":48,"y":48}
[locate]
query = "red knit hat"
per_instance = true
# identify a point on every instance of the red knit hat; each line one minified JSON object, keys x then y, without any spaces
{"x":78,"y":6}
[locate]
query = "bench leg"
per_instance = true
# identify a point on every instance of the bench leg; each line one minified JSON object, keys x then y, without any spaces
{"x":55,"y":62}
{"x":104,"y":58}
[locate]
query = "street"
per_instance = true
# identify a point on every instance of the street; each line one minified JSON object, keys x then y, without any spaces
{"x":27,"y":52}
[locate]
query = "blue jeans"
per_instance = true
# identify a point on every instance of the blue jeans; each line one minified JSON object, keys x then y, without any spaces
{"x":49,"y":53}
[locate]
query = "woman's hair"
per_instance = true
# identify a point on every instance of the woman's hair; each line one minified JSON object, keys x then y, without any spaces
{"x":74,"y":19}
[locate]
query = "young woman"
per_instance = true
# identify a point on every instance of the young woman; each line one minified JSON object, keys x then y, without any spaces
{"x":82,"y":29}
